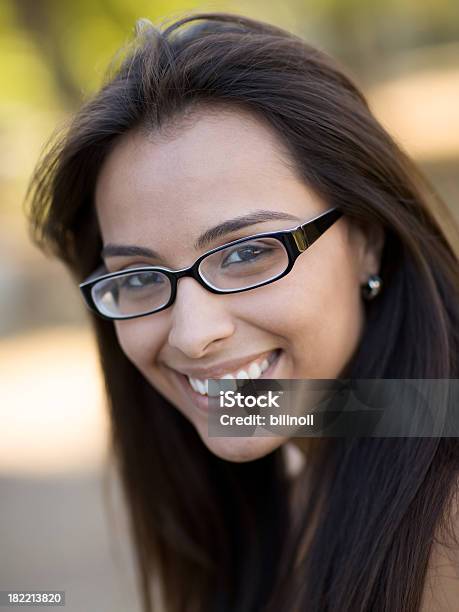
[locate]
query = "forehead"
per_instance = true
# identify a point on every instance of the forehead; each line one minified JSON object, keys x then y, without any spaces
{"x":163,"y":187}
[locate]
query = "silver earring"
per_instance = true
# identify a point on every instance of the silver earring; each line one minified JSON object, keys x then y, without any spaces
{"x":372,"y":287}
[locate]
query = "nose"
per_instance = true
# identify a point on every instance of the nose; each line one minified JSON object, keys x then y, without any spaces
{"x":199,"y":318}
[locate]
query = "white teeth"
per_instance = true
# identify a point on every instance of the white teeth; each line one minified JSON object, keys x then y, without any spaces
{"x":212,"y":390}
{"x":201,"y":387}
{"x":241,"y":377}
{"x":233,"y":385}
{"x":255,"y":370}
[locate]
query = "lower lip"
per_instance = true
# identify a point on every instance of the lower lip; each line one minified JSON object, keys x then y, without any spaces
{"x":201,"y":402}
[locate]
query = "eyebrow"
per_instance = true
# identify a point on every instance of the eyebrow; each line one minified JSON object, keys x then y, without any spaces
{"x":205,"y":239}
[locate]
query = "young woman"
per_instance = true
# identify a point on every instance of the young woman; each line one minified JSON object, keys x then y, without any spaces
{"x":212,"y":134}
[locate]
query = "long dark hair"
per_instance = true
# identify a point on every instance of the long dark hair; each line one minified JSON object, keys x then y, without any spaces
{"x":224,"y":536}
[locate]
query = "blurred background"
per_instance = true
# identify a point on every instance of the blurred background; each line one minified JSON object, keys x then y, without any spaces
{"x":62,"y":519}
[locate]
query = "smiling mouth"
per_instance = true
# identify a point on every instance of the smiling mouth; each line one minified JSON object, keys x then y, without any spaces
{"x":251,"y":371}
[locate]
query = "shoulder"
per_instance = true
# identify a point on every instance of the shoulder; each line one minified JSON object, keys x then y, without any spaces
{"x":441,"y":587}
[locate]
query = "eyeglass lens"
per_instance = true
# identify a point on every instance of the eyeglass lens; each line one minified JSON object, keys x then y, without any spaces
{"x":240,"y":266}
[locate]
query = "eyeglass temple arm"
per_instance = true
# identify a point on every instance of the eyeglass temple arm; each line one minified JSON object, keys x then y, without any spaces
{"x":315,"y":228}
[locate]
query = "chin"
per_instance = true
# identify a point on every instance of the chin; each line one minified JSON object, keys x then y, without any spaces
{"x":240,"y":450}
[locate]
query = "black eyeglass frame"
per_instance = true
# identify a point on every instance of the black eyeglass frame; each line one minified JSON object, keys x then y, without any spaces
{"x":295,"y":240}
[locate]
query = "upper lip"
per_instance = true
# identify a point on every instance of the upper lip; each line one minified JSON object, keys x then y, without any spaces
{"x":222,"y":368}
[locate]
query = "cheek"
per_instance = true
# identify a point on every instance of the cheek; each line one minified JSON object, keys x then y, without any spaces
{"x":138,"y":341}
{"x":317,"y":311}
{"x":329,"y":318}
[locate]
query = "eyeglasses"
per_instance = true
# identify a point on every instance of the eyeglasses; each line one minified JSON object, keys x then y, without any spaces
{"x":237,"y":266}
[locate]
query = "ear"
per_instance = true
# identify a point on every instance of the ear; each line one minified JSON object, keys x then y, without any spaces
{"x":369,"y":242}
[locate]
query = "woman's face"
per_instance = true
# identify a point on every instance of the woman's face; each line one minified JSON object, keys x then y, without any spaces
{"x":162,"y":192}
